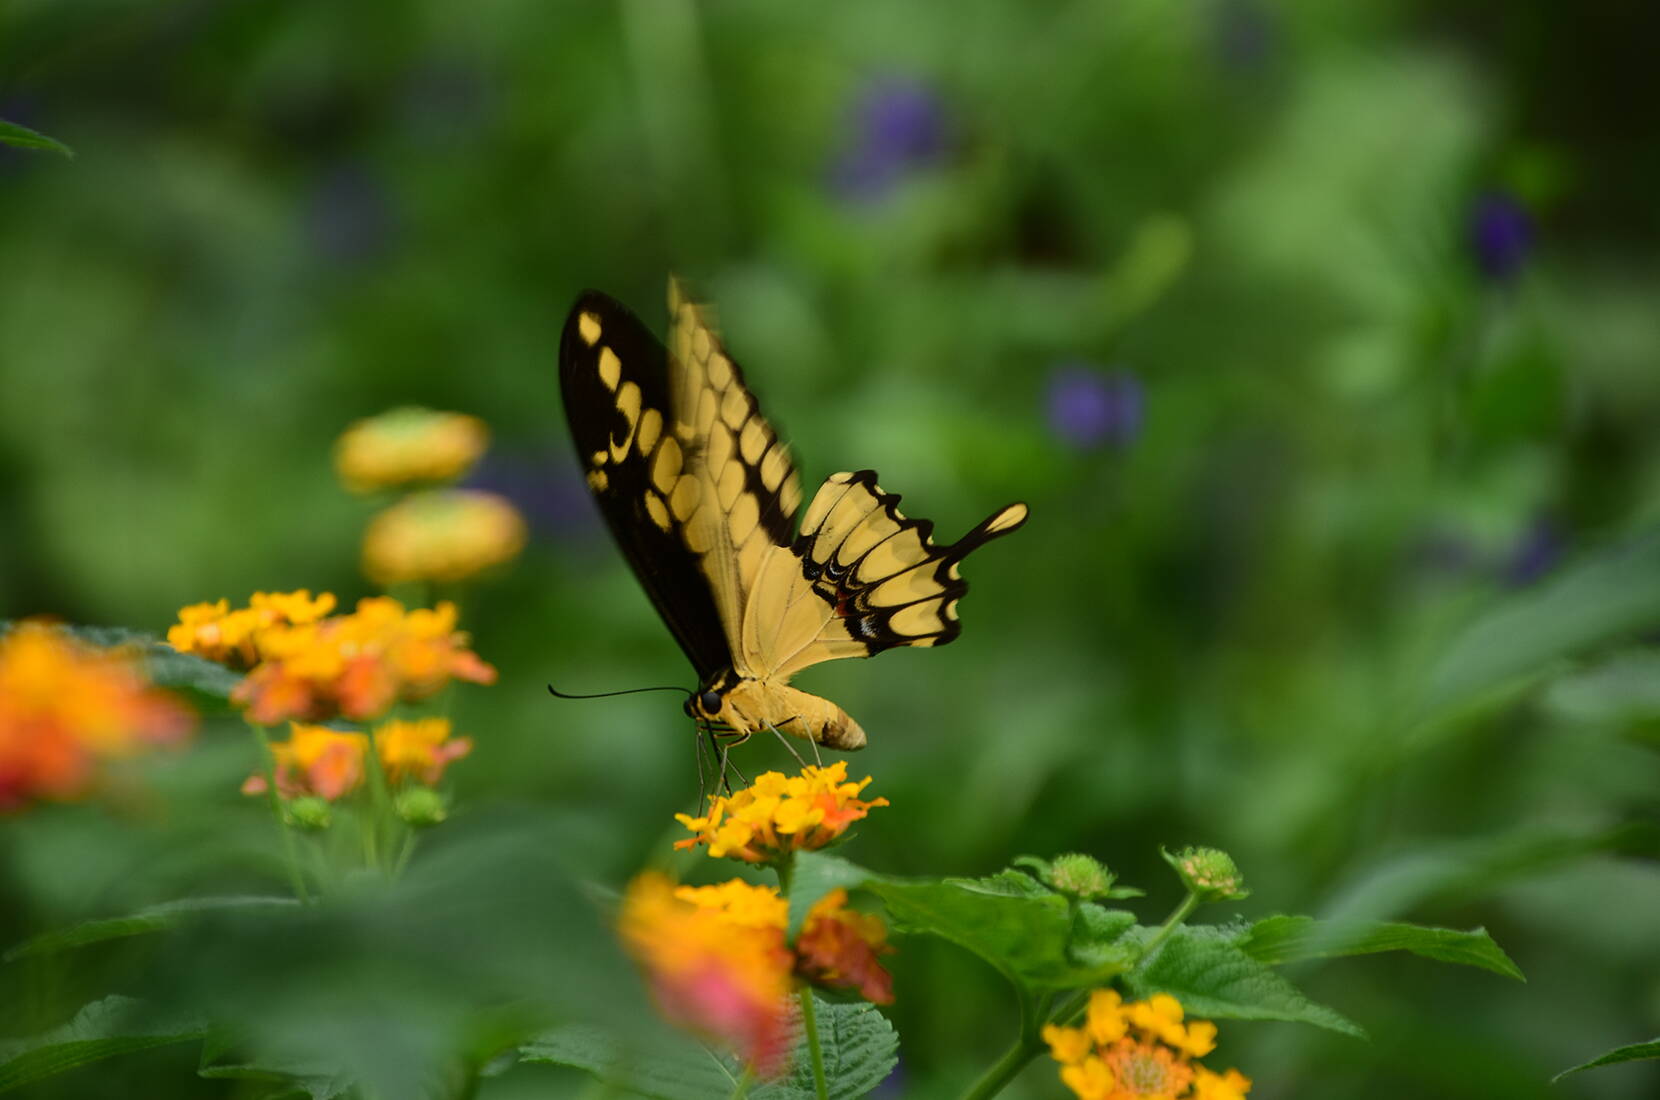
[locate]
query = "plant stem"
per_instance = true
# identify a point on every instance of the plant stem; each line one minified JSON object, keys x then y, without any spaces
{"x":741,"y":1089}
{"x":1170,"y":924}
{"x":809,"y":1021}
{"x":290,"y":856}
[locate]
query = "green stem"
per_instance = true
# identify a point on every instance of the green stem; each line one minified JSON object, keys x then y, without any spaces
{"x":809,"y":1021}
{"x":741,"y":1088}
{"x":290,"y":856}
{"x":1181,"y":913}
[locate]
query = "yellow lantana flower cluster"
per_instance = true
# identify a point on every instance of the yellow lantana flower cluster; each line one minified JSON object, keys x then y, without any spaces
{"x":408,"y":445}
{"x":310,"y":666}
{"x":1140,"y":1050}
{"x":777,"y":814}
{"x":65,"y":707}
{"x":443,"y":535}
{"x":329,"y":763}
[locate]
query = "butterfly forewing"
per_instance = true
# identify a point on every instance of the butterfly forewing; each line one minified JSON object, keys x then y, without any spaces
{"x":616,"y":381}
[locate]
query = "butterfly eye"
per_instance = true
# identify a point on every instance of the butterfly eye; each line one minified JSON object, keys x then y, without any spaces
{"x":710,"y":702}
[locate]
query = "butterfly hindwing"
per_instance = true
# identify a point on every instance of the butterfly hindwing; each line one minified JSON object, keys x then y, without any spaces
{"x":615,"y":377}
{"x":861,"y":577}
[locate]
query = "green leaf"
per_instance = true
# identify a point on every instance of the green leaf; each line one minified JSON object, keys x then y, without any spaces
{"x":1600,"y":599}
{"x":1636,"y":1052}
{"x":1214,"y":978}
{"x":24,"y":138}
{"x":1031,"y":935}
{"x":165,"y":666}
{"x":152,"y":918}
{"x":858,"y":1044}
{"x":102,"y":1029}
{"x":816,"y":874}
{"x":1280,"y":940}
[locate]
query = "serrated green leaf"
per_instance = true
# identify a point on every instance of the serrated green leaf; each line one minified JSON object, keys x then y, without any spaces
{"x":858,"y":1046}
{"x":1281,"y":939}
{"x":152,"y":918}
{"x":1214,"y":978}
{"x":1636,"y":1052}
{"x":1599,"y":599}
{"x":1012,"y":922}
{"x":24,"y":138}
{"x":102,"y":1029}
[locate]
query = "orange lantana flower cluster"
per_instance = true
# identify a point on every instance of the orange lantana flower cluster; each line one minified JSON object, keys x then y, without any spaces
{"x":310,"y":667}
{"x":716,"y":961}
{"x":408,"y":445}
{"x":1138,"y":1050}
{"x":330,"y":763}
{"x":66,"y":706}
{"x":778,"y":814}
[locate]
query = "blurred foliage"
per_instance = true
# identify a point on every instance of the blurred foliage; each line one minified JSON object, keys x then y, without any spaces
{"x":1345,"y":564}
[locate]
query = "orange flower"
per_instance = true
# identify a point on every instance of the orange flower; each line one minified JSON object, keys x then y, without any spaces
{"x":357,"y":665}
{"x":716,"y":962}
{"x":838,"y":947}
{"x":443,"y":535}
{"x":777,"y":815}
{"x":330,"y":763}
{"x":408,"y":445}
{"x":1140,"y":1050}
{"x":421,"y":749}
{"x":214,"y":631}
{"x":315,"y":760}
{"x":64,"y":706}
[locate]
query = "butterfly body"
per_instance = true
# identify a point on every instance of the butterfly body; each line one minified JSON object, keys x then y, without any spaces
{"x":702,"y":496}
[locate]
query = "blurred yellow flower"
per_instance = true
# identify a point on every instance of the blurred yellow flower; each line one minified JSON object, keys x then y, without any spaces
{"x":329,"y":763}
{"x":716,"y":962}
{"x":838,"y":947}
{"x":214,"y":631}
{"x":408,"y":445}
{"x":1138,"y":1050}
{"x":777,"y":814}
{"x":65,"y":705}
{"x":418,"y":750}
{"x":356,"y":665}
{"x":442,"y":535}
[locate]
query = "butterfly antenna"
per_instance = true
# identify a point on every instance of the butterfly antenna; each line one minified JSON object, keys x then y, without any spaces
{"x":607,"y":694}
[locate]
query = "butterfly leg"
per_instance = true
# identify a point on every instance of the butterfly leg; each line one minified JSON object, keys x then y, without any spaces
{"x":785,"y":741}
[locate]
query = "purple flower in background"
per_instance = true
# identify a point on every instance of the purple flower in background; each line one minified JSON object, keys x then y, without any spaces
{"x":899,"y":125}
{"x":1501,"y":235}
{"x":1089,"y":407}
{"x":1245,"y":35}
{"x":1535,"y":554}
{"x":546,"y":487}
{"x":349,"y":215}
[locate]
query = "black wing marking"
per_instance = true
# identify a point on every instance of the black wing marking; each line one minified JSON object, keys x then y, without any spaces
{"x":614,"y":377}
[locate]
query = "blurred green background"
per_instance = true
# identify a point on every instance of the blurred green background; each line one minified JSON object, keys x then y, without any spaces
{"x":1321,"y":339}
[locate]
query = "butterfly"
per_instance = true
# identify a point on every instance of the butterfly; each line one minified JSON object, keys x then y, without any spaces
{"x":701,"y":496}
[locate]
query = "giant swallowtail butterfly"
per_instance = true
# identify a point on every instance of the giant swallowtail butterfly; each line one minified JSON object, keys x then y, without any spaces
{"x":701,"y":496}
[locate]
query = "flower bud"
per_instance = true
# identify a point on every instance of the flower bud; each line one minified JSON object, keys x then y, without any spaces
{"x":422,"y":806}
{"x":1077,"y":876}
{"x":308,"y":812}
{"x":1209,"y":873}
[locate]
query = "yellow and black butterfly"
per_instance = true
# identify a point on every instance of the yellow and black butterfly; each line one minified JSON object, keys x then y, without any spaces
{"x":701,"y":496}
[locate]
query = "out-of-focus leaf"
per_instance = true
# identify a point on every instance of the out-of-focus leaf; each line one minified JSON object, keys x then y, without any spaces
{"x":858,"y":1045}
{"x":152,"y":918}
{"x":1635,"y":1052}
{"x":816,"y":874}
{"x":24,"y":138}
{"x":1214,"y":977}
{"x":1282,"y":939}
{"x":102,"y":1029}
{"x":1623,"y":688}
{"x":1017,"y":925}
{"x":1597,"y":600}
{"x":164,"y":665}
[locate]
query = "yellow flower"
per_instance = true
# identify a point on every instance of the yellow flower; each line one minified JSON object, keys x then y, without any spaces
{"x":65,"y":706}
{"x":214,"y":631}
{"x":1140,"y":1051}
{"x":421,"y":749}
{"x":716,"y":962}
{"x":443,"y":535}
{"x":408,"y":445}
{"x":776,"y":815}
{"x":356,"y":665}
